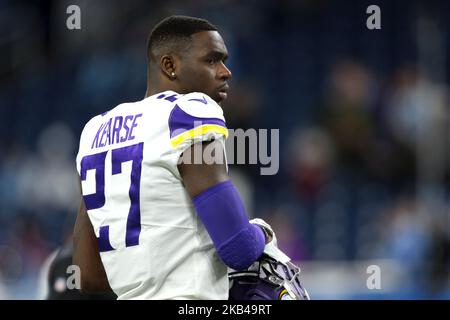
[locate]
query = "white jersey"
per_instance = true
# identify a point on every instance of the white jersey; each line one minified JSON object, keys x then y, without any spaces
{"x":152,"y":243}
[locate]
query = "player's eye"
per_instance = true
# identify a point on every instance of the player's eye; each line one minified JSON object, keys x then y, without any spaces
{"x":215,"y":59}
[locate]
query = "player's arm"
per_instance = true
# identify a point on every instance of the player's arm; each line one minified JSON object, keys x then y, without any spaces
{"x":220,"y":208}
{"x":86,"y":255}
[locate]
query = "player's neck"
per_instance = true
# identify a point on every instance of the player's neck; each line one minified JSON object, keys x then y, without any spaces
{"x":157,"y":84}
{"x":148,"y":93}
{"x":157,"y":89}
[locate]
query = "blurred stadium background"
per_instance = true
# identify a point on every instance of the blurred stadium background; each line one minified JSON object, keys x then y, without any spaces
{"x":363,"y":118}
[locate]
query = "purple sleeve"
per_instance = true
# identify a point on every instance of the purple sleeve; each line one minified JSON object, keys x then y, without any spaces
{"x":238,"y":242}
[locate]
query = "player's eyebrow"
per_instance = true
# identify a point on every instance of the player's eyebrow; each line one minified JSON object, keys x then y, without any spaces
{"x":220,"y":55}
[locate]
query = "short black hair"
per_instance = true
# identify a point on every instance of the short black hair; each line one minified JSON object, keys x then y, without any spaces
{"x":172,"y":34}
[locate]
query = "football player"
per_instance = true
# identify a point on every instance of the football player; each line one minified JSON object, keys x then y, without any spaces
{"x":153,"y":224}
{"x":54,"y":277}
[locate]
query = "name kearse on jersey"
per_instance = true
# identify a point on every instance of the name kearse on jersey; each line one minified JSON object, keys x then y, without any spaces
{"x":115,"y":130}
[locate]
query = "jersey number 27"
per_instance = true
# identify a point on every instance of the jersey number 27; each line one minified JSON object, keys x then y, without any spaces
{"x":97,"y":200}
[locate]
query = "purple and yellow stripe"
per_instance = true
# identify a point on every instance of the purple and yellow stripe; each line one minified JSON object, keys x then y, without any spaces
{"x":183,"y":126}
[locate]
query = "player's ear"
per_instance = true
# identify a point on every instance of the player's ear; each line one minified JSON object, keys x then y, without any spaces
{"x":168,"y":66}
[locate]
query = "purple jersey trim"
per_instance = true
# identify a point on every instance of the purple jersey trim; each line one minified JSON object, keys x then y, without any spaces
{"x":180,"y":121}
{"x":200,"y":100}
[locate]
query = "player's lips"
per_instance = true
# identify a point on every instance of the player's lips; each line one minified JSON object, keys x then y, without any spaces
{"x":223,"y":91}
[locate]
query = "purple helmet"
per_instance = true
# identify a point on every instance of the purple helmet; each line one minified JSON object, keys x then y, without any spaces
{"x":267,"y":279}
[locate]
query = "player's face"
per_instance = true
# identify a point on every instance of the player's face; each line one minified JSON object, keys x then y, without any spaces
{"x":203,"y":67}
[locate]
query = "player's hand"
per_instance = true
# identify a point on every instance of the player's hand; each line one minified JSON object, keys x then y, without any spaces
{"x":271,"y":248}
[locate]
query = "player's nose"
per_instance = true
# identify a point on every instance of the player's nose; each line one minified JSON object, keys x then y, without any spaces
{"x":224,"y":73}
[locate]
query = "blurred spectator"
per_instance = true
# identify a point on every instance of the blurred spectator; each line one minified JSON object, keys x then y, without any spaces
{"x":347,"y":114}
{"x":436,"y":265}
{"x":47,"y":182}
{"x":310,"y":159}
{"x":405,"y":239}
{"x":26,"y":236}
